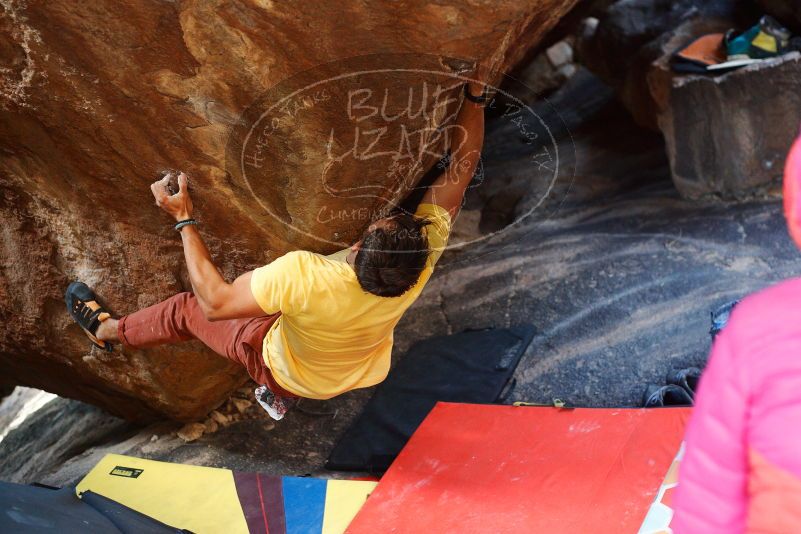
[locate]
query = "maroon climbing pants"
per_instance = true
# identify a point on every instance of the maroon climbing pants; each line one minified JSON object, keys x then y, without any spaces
{"x":180,"y":318}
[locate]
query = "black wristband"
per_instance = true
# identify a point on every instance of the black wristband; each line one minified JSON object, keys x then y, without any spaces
{"x":483,"y":98}
{"x":185,"y":222}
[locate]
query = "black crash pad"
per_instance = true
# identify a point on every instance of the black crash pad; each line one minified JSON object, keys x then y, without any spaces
{"x":34,"y":509}
{"x":473,"y":366}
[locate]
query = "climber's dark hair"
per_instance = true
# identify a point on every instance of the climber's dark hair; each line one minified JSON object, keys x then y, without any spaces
{"x":391,"y":257}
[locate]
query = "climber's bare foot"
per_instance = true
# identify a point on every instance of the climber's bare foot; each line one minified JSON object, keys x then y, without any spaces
{"x":107,"y":331}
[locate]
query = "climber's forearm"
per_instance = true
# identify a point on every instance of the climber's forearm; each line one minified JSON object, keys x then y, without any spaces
{"x":217,"y":298}
{"x":467,"y":141}
{"x":468,"y":138}
{"x":209,"y":285}
{"x":207,"y":282}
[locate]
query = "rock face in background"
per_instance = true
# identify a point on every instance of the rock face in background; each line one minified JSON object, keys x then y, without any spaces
{"x":787,"y":11}
{"x":632,"y":34}
{"x":727,"y":135}
{"x":547,"y":71}
{"x":96,"y":97}
{"x":723,"y":137}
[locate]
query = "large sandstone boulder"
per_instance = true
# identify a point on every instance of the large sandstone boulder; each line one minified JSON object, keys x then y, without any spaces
{"x":96,"y":97}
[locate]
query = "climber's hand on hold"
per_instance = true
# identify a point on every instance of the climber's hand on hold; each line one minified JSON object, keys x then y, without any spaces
{"x":482,"y":76}
{"x":179,"y":205}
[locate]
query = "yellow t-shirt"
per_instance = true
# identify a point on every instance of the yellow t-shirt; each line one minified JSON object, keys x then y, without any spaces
{"x":332,"y":335}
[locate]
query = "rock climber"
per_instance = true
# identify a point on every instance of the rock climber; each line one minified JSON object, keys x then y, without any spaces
{"x":305,"y":325}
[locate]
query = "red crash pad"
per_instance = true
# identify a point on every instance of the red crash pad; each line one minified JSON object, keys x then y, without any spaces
{"x":483,"y":468}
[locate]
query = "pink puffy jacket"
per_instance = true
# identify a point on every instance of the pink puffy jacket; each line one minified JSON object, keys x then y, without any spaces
{"x":742,"y":466}
{"x":741,"y":471}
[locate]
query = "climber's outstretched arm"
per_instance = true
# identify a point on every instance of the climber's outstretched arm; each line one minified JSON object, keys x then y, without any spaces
{"x":217,"y":298}
{"x":468,"y":138}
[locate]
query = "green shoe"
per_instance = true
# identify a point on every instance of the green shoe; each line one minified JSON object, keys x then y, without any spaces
{"x":766,"y":39}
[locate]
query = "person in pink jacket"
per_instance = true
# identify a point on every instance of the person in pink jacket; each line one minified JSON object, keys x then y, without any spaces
{"x":741,"y":471}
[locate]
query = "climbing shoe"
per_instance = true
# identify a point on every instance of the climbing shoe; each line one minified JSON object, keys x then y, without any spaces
{"x":273,"y":404}
{"x":766,"y":39}
{"x":687,"y":379}
{"x":84,"y":309}
{"x":720,"y":317}
{"x":669,"y":395}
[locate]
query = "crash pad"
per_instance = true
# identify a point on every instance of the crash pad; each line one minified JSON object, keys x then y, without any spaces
{"x":212,"y":500}
{"x":473,"y":366}
{"x":483,"y":468}
{"x":34,"y":509}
